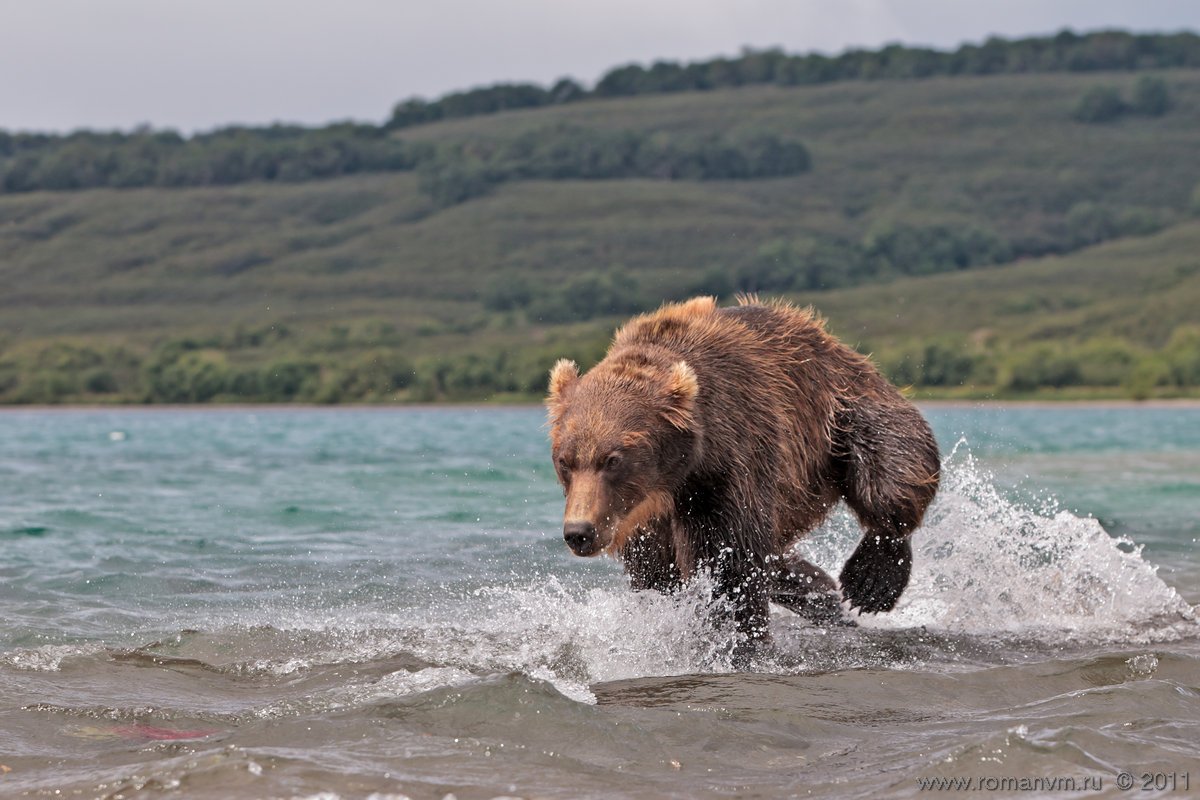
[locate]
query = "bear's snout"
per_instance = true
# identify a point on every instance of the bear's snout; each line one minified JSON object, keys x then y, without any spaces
{"x":580,"y":536}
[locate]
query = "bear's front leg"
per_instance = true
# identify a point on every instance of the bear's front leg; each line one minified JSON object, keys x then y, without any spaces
{"x":742,"y":593}
{"x":650,"y":561}
{"x":877,"y":572}
{"x":719,"y":533}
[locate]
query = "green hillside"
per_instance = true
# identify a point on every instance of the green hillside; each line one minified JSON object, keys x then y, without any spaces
{"x":1120,"y":319}
{"x":971,"y":231}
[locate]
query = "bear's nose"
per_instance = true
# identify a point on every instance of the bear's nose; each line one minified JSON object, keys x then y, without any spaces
{"x":580,"y":537}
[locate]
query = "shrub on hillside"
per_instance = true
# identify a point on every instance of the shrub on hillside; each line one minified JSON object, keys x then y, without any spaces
{"x":1182,"y":355}
{"x":1151,"y":97}
{"x":449,"y":181}
{"x":1089,"y":223}
{"x":290,"y":379}
{"x":178,"y":375}
{"x":1106,"y":362}
{"x":940,"y":363}
{"x":375,"y":374}
{"x":64,"y":370}
{"x":587,"y":296}
{"x":507,"y":293}
{"x":1042,"y":366}
{"x":905,"y":249}
{"x":1099,"y":104}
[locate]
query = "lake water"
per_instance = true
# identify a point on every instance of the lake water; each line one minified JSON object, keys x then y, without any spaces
{"x":356,"y":603}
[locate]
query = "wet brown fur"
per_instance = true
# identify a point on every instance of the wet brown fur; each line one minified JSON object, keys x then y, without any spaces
{"x":736,"y":430}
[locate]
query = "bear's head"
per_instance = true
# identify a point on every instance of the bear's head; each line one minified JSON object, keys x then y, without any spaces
{"x":623,"y":437}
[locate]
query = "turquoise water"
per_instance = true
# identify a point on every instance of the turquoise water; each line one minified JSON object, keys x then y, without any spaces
{"x":279,"y":603}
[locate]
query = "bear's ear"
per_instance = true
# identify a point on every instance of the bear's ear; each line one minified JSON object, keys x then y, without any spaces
{"x":563,"y":375}
{"x":682,"y":389}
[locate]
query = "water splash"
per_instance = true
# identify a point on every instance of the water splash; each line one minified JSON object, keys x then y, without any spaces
{"x":988,"y":564}
{"x":47,"y":658}
{"x":572,"y":637}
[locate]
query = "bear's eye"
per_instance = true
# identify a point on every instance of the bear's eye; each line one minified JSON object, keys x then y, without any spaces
{"x":612,"y":462}
{"x":564,"y":472}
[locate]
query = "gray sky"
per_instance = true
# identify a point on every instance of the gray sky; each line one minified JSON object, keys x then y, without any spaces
{"x":194,"y":65}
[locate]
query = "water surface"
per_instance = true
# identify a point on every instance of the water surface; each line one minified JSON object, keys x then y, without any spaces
{"x":295,"y":603}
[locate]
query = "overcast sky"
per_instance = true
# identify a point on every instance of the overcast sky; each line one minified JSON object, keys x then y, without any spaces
{"x":194,"y":65}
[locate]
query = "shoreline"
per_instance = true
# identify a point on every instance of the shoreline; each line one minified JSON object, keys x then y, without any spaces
{"x":1041,"y":402}
{"x":1174,"y":403}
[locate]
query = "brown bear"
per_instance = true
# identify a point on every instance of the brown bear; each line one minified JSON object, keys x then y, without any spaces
{"x":716,"y":437}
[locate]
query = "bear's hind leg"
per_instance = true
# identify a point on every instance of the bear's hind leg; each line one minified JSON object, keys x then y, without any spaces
{"x":805,"y":589}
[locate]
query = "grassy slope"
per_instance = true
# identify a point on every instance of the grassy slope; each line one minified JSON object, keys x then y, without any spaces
{"x":1139,"y":289}
{"x":140,"y":265}
{"x":948,"y":148}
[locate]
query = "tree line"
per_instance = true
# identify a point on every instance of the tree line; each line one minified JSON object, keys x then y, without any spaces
{"x":1064,"y":52}
{"x":456,"y":172}
{"x":273,"y":366}
{"x":449,"y":174}
{"x":144,"y":157}
{"x":278,"y":368}
{"x":1111,"y":363}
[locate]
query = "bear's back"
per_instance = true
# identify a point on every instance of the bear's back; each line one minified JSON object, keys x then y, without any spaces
{"x":763,"y":342}
{"x":798,"y":337}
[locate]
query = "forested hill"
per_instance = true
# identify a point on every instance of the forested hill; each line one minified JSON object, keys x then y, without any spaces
{"x":1003,"y":234}
{"x":1064,"y":52}
{"x":289,"y":153}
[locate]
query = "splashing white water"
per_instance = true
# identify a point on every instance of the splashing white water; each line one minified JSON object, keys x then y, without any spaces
{"x":47,"y":658}
{"x":572,"y":638}
{"x":987,"y":564}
